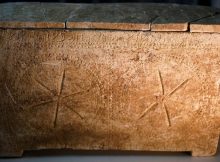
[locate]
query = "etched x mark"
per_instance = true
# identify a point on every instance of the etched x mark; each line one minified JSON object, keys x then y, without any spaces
{"x":57,"y":97}
{"x":161,"y":99}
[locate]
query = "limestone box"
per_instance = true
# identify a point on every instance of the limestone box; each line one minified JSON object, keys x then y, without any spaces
{"x":109,"y":77}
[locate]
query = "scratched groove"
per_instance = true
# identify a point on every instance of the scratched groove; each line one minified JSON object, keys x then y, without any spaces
{"x":112,"y":79}
{"x":60,"y":89}
{"x":44,"y":86}
{"x":12,"y":98}
{"x":56,"y":97}
{"x":162,"y":99}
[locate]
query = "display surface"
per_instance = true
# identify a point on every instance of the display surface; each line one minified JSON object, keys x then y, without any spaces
{"x":119,"y":89}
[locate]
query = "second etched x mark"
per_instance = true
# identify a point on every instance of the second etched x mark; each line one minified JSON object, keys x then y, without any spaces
{"x":161,"y":99}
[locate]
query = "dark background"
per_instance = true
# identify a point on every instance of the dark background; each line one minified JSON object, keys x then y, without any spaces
{"x":214,"y":3}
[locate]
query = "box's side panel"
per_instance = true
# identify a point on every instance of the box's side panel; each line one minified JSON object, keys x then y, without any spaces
{"x":109,"y":90}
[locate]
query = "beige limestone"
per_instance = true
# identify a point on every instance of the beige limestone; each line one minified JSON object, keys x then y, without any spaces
{"x":101,"y":90}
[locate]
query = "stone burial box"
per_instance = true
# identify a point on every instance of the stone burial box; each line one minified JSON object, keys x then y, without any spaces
{"x":109,"y":77}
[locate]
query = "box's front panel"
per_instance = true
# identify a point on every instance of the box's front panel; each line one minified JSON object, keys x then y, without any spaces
{"x":109,"y":90}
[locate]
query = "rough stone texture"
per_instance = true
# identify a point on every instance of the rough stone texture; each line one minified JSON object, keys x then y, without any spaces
{"x":210,"y":24}
{"x":35,"y":15}
{"x":109,"y":89}
{"x":101,"y":90}
{"x":177,"y":17}
{"x":117,"y":16}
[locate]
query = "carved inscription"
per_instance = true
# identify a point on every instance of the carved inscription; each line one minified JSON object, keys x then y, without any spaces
{"x":161,"y":99}
{"x":57,"y":96}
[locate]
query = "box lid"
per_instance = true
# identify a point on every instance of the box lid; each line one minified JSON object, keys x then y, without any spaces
{"x":111,"y":16}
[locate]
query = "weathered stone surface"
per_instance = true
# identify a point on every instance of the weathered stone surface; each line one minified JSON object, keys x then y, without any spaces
{"x":35,"y":15}
{"x":105,"y":90}
{"x":177,"y":17}
{"x":210,"y":24}
{"x":108,"y":89}
{"x":117,"y":16}
{"x":113,"y":16}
